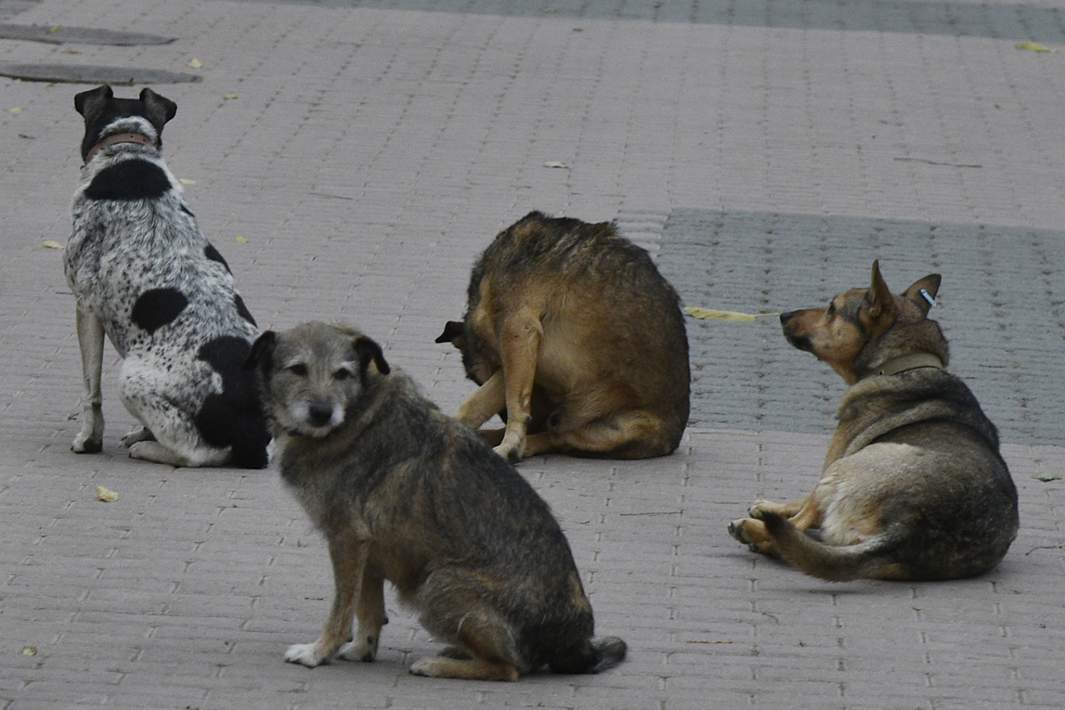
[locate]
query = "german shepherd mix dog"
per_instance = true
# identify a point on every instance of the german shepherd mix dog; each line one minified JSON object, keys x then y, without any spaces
{"x":405,"y":494}
{"x":913,"y":486}
{"x":143,"y":273}
{"x":576,"y":340}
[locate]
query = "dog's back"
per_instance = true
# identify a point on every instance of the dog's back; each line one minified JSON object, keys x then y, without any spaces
{"x":614,"y":334}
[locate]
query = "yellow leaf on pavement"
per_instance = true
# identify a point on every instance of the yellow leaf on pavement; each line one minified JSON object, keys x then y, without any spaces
{"x":1033,"y":47}
{"x":195,"y":63}
{"x":106,"y":495}
{"x":51,"y":244}
{"x":735,"y":316}
{"x":241,"y":239}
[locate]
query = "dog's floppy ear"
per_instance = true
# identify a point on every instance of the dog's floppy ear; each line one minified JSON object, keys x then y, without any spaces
{"x":262,"y":351}
{"x":92,"y":101}
{"x":881,"y":302}
{"x":452,"y":330}
{"x":367,"y":350}
{"x":158,"y":108}
{"x":923,"y":291}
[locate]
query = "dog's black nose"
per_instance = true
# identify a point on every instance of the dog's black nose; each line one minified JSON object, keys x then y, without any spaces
{"x":785,"y":317}
{"x":319,"y":413}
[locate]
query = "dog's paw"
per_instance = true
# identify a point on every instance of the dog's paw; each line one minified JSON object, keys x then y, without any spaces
{"x":424,"y":667}
{"x":735,"y":529}
{"x":364,"y":650}
{"x":137,"y":434}
{"x":87,"y":444}
{"x":510,"y":452}
{"x":306,"y":654}
{"x":760,"y":510}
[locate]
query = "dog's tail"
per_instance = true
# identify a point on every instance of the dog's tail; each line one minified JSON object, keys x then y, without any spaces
{"x":871,"y":559}
{"x":591,"y":656}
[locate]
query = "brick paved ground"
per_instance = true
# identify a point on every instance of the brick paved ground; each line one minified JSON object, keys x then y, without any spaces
{"x":765,"y":151}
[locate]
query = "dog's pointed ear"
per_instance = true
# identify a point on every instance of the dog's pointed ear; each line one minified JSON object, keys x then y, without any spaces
{"x":452,"y":330}
{"x":262,"y":351}
{"x":881,"y":301}
{"x":367,"y":349}
{"x":158,"y":108}
{"x":92,"y":101}
{"x":923,"y":291}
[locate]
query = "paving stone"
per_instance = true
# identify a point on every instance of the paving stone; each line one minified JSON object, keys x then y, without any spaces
{"x":368,"y":151}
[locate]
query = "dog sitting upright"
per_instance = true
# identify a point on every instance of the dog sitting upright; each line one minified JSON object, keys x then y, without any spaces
{"x":913,"y":486}
{"x":576,"y":341}
{"x":143,"y":273}
{"x":405,"y":494}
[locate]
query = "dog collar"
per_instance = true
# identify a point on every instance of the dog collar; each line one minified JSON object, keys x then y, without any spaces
{"x":116,"y":138}
{"x":909,"y":362}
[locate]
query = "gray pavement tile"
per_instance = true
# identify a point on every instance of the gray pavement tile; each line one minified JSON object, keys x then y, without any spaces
{"x":368,"y":151}
{"x":999,"y":306}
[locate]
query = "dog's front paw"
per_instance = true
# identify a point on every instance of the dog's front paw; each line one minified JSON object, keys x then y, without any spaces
{"x":735,"y":529}
{"x":136,"y":435}
{"x":87,"y":443}
{"x":510,"y":450}
{"x":760,"y":510}
{"x":306,"y":654}
{"x":364,"y":650}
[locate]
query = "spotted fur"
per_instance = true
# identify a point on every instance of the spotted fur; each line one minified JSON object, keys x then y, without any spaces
{"x":143,"y":273}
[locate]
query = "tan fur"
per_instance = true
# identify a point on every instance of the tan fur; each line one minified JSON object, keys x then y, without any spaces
{"x":582,"y":359}
{"x":911,"y":442}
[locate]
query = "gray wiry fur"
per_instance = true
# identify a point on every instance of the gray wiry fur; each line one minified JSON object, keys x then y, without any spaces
{"x":125,"y":244}
{"x":402,"y":492}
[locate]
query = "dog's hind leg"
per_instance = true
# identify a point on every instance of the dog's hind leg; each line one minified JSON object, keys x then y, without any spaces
{"x":152,"y":395}
{"x":634,"y":434}
{"x":490,"y":648}
{"x":349,"y":563}
{"x":485,"y":403}
{"x":91,"y":342}
{"x":370,"y":611}
{"x":519,"y":346}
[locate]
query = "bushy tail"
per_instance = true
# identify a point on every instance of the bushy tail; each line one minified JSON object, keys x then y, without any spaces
{"x":865,"y":560}
{"x":592,"y":656}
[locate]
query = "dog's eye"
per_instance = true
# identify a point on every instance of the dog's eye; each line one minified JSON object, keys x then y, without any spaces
{"x":341,"y":374}
{"x":832,"y":308}
{"x":299,"y":369}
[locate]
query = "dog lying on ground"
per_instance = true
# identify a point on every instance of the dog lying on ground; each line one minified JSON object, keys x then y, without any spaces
{"x":405,"y":494}
{"x":913,"y":485}
{"x":576,"y":340}
{"x":143,"y":273}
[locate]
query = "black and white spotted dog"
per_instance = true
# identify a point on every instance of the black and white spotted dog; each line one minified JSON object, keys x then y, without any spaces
{"x":142,"y":272}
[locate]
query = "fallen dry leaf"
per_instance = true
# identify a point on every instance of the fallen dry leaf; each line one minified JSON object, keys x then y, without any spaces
{"x":51,"y":244}
{"x":735,"y":316}
{"x":555,"y":164}
{"x":195,"y":63}
{"x":53,"y":29}
{"x":1047,"y":477}
{"x":15,"y":109}
{"x":105,"y":495}
{"x":241,"y":239}
{"x":29,"y":650}
{"x":230,"y":97}
{"x":186,"y":181}
{"x":1033,"y":47}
